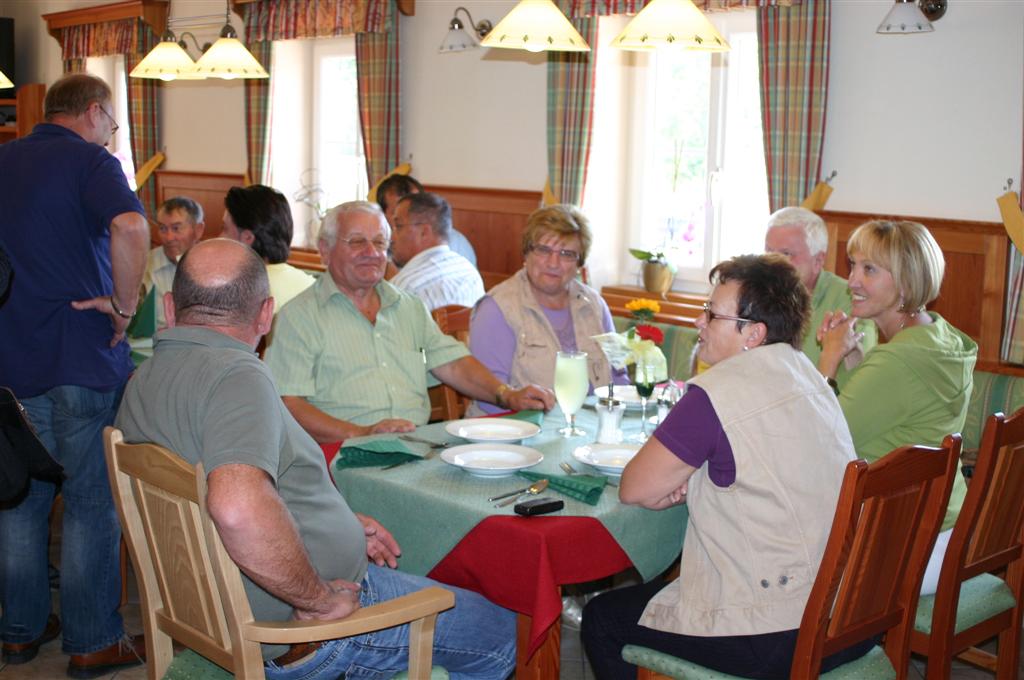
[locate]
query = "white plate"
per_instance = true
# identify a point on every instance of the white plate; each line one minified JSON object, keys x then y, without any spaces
{"x":492,"y":460}
{"x":491,"y":429}
{"x":607,"y":458}
{"x":624,"y":393}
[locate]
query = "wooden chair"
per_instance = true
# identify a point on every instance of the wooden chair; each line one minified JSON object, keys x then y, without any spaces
{"x":884,"y":527}
{"x":445,"y":402}
{"x":980,"y":588}
{"x":192,"y":591}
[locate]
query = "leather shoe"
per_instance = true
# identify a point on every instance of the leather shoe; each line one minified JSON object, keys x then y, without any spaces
{"x":129,"y":651}
{"x":19,"y":653}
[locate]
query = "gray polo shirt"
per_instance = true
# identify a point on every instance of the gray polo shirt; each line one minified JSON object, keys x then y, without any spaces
{"x":208,"y":397}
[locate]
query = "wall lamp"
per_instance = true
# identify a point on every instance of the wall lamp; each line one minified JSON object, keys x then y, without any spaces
{"x":908,"y":16}
{"x":458,"y":39}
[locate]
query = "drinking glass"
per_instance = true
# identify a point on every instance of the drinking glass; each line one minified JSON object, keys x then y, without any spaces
{"x":644,"y":381}
{"x":571,"y":387}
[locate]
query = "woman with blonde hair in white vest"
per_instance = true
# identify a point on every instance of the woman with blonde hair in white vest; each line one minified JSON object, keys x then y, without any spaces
{"x":756,"y":448}
{"x":518,"y":328}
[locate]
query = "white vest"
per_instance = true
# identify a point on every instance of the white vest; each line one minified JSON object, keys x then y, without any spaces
{"x":752,"y":549}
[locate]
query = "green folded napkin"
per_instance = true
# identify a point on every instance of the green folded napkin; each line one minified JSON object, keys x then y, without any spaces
{"x":535,"y":417}
{"x":377,"y":450}
{"x":586,"y":488}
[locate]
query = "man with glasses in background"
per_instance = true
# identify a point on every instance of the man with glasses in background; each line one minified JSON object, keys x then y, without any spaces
{"x":351,"y":354}
{"x":431,"y":270}
{"x":77,"y":237}
{"x":180,"y":226}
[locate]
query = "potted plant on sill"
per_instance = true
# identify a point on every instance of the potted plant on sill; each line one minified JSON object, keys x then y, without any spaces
{"x":658,"y":270}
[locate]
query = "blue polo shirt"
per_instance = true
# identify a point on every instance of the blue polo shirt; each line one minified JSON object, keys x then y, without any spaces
{"x":58,"y":197}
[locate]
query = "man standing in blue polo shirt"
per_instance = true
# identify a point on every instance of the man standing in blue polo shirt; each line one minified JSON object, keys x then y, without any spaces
{"x":77,"y":239}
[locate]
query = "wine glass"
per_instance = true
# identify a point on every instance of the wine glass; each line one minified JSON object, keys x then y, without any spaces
{"x":644,"y":381}
{"x":571,"y":387}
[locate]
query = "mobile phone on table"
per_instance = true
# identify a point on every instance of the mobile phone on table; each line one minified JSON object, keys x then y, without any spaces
{"x":539,"y":506}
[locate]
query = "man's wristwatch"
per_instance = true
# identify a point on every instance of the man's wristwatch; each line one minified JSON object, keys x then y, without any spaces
{"x":121,"y":313}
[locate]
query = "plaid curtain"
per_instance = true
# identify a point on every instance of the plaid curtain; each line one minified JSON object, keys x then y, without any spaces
{"x":379,"y":111}
{"x":257,"y":117}
{"x":571,"y":115}
{"x":143,"y":120}
{"x":602,"y":8}
{"x":267,"y":20}
{"x":74,"y":66}
{"x":793,"y":45}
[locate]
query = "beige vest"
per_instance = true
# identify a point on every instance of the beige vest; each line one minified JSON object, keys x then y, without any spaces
{"x":752,"y":550}
{"x":536,"y":340}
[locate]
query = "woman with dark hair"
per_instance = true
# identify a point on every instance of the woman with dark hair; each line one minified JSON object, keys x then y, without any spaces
{"x":260,"y":217}
{"x":756,"y":448}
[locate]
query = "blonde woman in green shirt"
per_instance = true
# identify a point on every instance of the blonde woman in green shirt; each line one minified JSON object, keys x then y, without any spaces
{"x":915,"y":388}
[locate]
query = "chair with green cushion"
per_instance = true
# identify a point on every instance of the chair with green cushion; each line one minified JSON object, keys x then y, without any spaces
{"x":885,"y":524}
{"x":979,"y":594}
{"x":192,"y":591}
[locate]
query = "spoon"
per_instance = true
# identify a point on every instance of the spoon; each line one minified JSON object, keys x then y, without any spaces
{"x":534,"y":489}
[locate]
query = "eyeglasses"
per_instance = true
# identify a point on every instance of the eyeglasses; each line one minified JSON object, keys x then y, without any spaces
{"x":360,"y":243}
{"x":114,"y":122}
{"x":724,"y":317}
{"x":565,"y":255}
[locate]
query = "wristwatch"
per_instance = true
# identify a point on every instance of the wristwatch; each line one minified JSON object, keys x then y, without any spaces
{"x":118,"y":311}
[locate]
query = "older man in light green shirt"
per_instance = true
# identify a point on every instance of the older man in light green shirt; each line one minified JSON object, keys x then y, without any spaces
{"x":802,"y":237}
{"x":351,"y":354}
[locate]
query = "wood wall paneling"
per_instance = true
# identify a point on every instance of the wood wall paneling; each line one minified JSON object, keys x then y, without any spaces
{"x":206,"y":188}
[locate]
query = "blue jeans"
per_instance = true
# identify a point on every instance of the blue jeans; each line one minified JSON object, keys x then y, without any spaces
{"x":69,"y":420}
{"x":476,"y":639}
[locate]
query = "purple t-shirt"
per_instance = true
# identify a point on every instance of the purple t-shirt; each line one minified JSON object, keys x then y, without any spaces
{"x":693,"y":432}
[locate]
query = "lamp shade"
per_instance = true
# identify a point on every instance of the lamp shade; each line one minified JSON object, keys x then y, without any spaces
{"x":228,"y":59}
{"x":457,"y":40}
{"x":670,"y":23}
{"x":5,"y":82}
{"x":166,"y":61}
{"x":536,"y":25}
{"x":905,"y":17}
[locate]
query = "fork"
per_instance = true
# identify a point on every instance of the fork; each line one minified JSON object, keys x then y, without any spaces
{"x":417,"y":440}
{"x":570,"y":470}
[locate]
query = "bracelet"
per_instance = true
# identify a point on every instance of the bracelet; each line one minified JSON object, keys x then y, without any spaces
{"x":833,"y":384}
{"x":499,"y":397}
{"x":117,"y":311}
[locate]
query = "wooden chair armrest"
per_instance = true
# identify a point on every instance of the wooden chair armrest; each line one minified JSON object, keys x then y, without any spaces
{"x":418,"y":605}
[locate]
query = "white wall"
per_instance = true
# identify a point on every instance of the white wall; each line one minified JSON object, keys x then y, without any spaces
{"x":477,"y":118}
{"x":927,"y":124}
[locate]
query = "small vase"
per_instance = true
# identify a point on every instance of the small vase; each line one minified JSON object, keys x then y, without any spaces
{"x":657,"y":278}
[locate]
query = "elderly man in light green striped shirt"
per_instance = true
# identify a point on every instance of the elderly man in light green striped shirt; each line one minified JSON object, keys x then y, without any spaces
{"x":351,"y":354}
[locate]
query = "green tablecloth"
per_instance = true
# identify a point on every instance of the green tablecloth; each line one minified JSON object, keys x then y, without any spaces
{"x":430,"y":506}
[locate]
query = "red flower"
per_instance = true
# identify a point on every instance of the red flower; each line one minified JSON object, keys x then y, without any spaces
{"x":652,"y":333}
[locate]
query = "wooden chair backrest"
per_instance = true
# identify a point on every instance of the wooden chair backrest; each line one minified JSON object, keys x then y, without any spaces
{"x":987,"y":535}
{"x":884,"y":528}
{"x":189,"y":587}
{"x":445,"y":402}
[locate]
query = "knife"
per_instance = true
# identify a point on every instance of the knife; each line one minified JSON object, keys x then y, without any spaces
{"x":517,"y":492}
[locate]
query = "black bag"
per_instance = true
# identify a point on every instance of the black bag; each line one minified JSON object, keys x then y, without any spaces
{"x":22,"y":455}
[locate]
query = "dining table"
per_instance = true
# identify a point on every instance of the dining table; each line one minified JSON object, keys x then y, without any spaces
{"x":448,"y":529}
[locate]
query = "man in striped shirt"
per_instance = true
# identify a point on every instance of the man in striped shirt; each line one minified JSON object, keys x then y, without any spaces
{"x":430,"y":269}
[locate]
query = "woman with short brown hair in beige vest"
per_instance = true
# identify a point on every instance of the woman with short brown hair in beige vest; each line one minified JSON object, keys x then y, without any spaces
{"x":756,"y":448}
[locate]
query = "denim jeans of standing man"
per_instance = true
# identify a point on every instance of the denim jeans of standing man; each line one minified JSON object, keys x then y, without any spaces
{"x":476,"y":639}
{"x":69,"y":421}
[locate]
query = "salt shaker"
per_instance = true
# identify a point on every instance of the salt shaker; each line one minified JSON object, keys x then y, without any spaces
{"x":670,"y":394}
{"x":609,"y":420}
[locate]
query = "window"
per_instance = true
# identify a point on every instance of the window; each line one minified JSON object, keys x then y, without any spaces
{"x":316,"y":143}
{"x":677,"y":136}
{"x":111,"y":71}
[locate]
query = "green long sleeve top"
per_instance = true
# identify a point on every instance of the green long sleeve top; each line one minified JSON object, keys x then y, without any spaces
{"x":913,"y":389}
